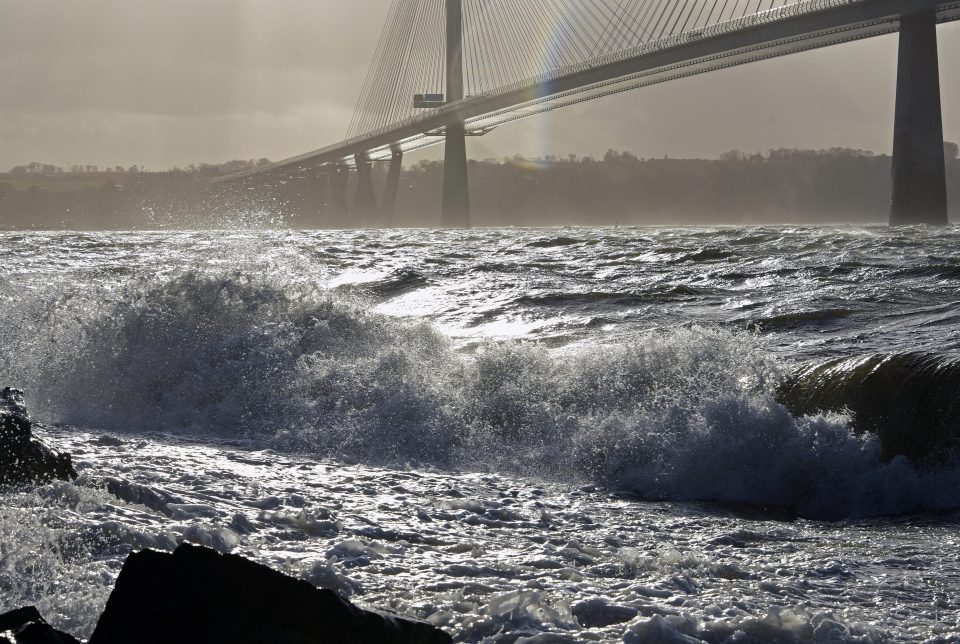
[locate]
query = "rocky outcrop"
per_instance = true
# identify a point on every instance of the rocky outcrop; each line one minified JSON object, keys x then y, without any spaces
{"x":26,"y":626}
{"x":199,"y":595}
{"x":23,"y":458}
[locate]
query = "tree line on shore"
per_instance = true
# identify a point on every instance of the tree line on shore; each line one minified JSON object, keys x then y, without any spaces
{"x":782,"y":186}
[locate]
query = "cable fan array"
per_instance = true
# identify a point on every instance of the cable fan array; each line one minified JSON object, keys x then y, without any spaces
{"x":509,"y":41}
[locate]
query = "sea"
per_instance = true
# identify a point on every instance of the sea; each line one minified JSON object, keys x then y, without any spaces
{"x":519,"y":435}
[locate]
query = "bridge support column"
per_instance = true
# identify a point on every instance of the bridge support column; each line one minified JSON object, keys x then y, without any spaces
{"x":919,"y":175}
{"x":291,"y":194}
{"x":365,"y":203}
{"x":337,"y":178}
{"x":316,"y":194}
{"x":388,"y":204}
{"x":455,"y":207}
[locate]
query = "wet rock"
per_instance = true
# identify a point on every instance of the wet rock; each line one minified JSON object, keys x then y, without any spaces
{"x":198,"y":595}
{"x":26,"y":626}
{"x":23,"y":458}
{"x":597,"y":612}
{"x":131,"y":492}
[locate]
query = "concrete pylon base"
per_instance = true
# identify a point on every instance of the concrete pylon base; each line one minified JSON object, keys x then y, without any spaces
{"x":388,"y":204}
{"x":455,"y":207}
{"x":919,"y":174}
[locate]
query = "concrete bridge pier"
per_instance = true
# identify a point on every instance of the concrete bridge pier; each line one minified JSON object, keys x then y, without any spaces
{"x":455,"y":206}
{"x":919,"y":174}
{"x":388,"y":204}
{"x":365,"y":202}
{"x":315,"y":199}
{"x":337,"y":177}
{"x":291,"y":194}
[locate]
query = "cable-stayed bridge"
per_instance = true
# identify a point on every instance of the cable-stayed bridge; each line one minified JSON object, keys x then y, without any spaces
{"x":447,"y":69}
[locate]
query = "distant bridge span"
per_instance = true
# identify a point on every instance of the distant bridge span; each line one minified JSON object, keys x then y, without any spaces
{"x":658,"y":50}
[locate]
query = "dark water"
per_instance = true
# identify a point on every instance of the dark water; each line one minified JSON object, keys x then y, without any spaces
{"x":509,"y":432}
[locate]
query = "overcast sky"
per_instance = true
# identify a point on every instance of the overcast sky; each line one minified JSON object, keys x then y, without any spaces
{"x":160,"y":83}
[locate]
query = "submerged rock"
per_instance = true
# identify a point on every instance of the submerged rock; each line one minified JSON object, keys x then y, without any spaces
{"x":198,"y":595}
{"x":23,"y":458}
{"x":26,"y":626}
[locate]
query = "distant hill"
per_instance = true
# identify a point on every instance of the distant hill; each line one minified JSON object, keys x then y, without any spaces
{"x":781,"y":186}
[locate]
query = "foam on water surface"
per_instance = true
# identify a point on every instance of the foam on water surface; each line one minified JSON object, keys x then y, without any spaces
{"x":490,"y":557}
{"x":679,"y":414}
{"x":267,"y":394}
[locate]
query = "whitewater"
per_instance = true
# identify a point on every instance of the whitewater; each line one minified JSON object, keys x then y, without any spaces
{"x":519,"y":435}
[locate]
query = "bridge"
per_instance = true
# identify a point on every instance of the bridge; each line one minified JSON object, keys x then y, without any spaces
{"x":444,"y":70}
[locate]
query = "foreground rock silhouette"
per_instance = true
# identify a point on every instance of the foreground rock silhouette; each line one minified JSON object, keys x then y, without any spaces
{"x":23,"y":458}
{"x":199,"y":595}
{"x":26,"y":626}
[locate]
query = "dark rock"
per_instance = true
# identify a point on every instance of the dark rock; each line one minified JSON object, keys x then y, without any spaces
{"x":198,"y":595}
{"x":142,"y":495}
{"x":23,"y":458}
{"x":15,"y":421}
{"x":26,"y":626}
{"x":594,"y":613}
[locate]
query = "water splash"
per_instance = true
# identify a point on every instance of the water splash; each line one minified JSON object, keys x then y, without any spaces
{"x":684,"y":414}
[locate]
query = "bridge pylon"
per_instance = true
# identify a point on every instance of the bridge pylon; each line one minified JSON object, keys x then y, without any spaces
{"x":314,"y":196}
{"x":455,"y":205}
{"x":919,"y":173}
{"x":337,"y":177}
{"x":365,"y":203}
{"x":388,"y":203}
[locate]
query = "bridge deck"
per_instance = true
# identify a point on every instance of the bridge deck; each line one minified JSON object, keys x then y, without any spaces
{"x":798,"y":27}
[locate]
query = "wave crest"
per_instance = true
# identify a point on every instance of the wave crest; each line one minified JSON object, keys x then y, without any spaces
{"x":909,"y":400}
{"x":684,"y":414}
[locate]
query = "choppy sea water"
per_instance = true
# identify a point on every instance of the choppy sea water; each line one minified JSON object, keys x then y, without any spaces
{"x":520,"y":435}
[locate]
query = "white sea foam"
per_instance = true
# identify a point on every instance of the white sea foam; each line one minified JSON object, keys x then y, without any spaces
{"x":143,"y":333}
{"x":681,"y":414}
{"x":778,"y":625}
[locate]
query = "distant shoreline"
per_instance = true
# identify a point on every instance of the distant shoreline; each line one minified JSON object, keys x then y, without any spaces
{"x":779,"y":187}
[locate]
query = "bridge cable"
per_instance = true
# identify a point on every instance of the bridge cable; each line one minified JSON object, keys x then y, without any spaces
{"x":618,"y":27}
{"x":486,"y":59}
{"x":577,"y":29}
{"x":688,"y":8}
{"x":379,"y":52}
{"x":649,"y":10}
{"x":506,"y":36}
{"x":499,"y":60}
{"x":637,"y":30}
{"x":529,"y":28}
{"x":381,"y":102}
{"x":396,"y":68}
{"x":581,"y":27}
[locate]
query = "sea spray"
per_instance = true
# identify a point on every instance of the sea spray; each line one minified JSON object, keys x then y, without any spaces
{"x":458,"y":532}
{"x":688,"y":413}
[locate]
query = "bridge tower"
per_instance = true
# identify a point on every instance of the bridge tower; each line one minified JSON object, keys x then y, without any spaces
{"x":388,"y":203}
{"x":365,"y":202}
{"x":919,"y":173}
{"x":455,"y":205}
{"x":338,"y":176}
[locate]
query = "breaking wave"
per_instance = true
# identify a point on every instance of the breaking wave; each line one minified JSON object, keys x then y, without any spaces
{"x":684,"y":414}
{"x":910,"y":400}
